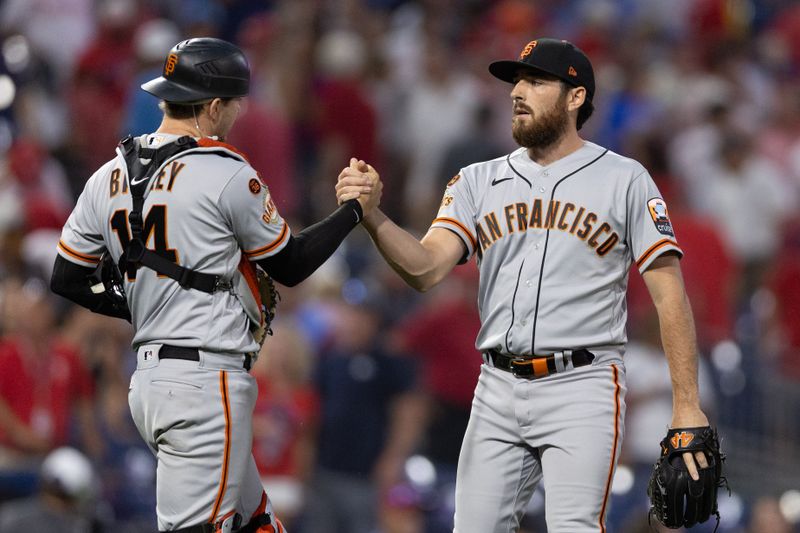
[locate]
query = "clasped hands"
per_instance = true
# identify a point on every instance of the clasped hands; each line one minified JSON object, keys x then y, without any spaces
{"x":361,"y":182}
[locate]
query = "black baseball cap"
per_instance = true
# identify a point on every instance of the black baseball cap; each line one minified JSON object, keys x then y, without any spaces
{"x":556,"y":57}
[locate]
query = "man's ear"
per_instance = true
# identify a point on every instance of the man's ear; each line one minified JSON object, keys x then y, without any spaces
{"x":214,"y":108}
{"x":577,"y":97}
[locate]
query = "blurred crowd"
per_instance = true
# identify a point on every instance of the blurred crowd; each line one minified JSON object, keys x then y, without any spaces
{"x":365,"y":386}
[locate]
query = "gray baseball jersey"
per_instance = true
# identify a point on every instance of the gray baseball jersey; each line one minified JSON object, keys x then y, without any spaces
{"x":555,"y":244}
{"x":202,"y":211}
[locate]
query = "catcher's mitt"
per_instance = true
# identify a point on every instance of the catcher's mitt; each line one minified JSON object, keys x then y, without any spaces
{"x":676,"y":500}
{"x":257,"y":293}
{"x":107,"y":279}
{"x":269,"y":303}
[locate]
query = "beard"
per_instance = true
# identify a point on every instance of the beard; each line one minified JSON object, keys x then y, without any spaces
{"x":544,"y":130}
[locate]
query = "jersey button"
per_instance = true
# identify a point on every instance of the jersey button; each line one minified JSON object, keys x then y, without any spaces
{"x":524,"y":322}
{"x":545,"y":173}
{"x":536,"y":246}
{"x":529,"y":283}
{"x":541,"y":189}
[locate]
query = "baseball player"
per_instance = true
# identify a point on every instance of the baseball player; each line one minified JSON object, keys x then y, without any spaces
{"x":555,"y":225}
{"x":179,"y":211}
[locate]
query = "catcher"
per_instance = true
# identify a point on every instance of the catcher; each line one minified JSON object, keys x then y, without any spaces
{"x":177,"y":234}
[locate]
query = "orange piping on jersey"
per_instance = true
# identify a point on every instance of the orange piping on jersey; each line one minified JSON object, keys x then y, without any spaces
{"x":206,"y":142}
{"x":460,"y":226}
{"x":610,"y":478}
{"x":653,"y":249}
{"x":271,"y":246}
{"x":249,"y":272}
{"x":223,"y":481}
{"x":83,"y":257}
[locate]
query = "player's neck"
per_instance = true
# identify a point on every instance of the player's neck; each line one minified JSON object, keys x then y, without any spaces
{"x":569,"y":143}
{"x":172,"y":126}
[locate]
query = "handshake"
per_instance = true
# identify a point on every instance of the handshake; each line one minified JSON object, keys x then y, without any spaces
{"x":361,"y":182}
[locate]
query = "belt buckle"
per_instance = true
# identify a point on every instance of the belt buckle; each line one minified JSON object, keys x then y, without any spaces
{"x":521,"y":362}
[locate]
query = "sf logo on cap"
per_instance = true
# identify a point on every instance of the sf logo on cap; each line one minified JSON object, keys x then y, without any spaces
{"x":527,"y":50}
{"x":169,"y":66}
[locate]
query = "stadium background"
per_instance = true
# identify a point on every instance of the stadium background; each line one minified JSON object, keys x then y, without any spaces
{"x":365,"y":388}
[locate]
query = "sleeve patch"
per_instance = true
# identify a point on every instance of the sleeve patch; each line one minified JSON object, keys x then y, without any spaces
{"x":447,"y":200}
{"x":270,"y":215}
{"x":453,"y":180}
{"x":658,"y":212}
{"x":254,"y":185}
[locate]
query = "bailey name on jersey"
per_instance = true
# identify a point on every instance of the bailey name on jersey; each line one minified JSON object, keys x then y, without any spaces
{"x":118,"y":184}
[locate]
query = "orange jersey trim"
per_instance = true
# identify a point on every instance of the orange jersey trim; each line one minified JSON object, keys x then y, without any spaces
{"x":602,"y":519}
{"x":223,"y":481}
{"x":206,"y":142}
{"x":271,"y":246}
{"x":460,"y":226}
{"x":77,"y":255}
{"x":653,"y":249}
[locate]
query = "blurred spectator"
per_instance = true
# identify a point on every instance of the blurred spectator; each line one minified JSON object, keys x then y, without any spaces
{"x":152,"y":40}
{"x":345,"y":121}
{"x":44,"y":386}
{"x":785,"y":286}
{"x":285,"y":419}
{"x":749,"y":202}
{"x":58,"y":30}
{"x":471,"y":147}
{"x":370,"y":423}
{"x":65,"y":501}
{"x":767,"y":516}
{"x":439,"y":110}
{"x":98,"y":89}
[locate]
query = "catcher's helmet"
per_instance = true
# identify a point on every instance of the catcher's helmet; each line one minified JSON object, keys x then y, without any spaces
{"x":199,"y":69}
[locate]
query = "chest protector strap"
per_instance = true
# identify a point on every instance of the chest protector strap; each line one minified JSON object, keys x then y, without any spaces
{"x":137,"y":254}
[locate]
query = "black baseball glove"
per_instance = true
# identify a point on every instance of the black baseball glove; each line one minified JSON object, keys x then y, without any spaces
{"x":107,"y":280}
{"x":676,"y":500}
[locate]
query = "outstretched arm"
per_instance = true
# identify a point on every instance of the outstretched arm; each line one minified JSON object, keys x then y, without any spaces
{"x":421,"y":263}
{"x":665,"y":283}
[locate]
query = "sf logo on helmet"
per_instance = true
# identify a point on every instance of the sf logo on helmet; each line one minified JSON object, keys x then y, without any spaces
{"x":169,"y":66}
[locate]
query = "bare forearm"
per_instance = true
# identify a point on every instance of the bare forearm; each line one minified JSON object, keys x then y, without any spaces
{"x":403,"y":252}
{"x":678,"y":337}
{"x":665,"y":283}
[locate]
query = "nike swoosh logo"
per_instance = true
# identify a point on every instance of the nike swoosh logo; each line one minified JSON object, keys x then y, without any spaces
{"x":501,"y":180}
{"x":137,"y":182}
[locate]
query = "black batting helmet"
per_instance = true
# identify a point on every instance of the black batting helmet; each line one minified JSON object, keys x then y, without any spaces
{"x":199,"y":69}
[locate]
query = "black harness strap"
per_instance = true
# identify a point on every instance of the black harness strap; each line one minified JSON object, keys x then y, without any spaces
{"x":251,"y":527}
{"x":201,"y":528}
{"x":139,"y":177}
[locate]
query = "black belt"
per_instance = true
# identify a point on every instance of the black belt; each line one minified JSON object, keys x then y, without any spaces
{"x":168,"y":351}
{"x":540,"y":366}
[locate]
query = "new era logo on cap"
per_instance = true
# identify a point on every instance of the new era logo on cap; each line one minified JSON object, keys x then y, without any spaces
{"x":572,"y":72}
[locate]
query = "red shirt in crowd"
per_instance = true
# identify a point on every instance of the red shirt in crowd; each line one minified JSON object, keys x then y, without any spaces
{"x":279,"y":423}
{"x":43,"y":392}
{"x":444,"y":338}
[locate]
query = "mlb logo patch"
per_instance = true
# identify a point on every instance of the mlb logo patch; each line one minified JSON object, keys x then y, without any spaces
{"x":658,"y":212}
